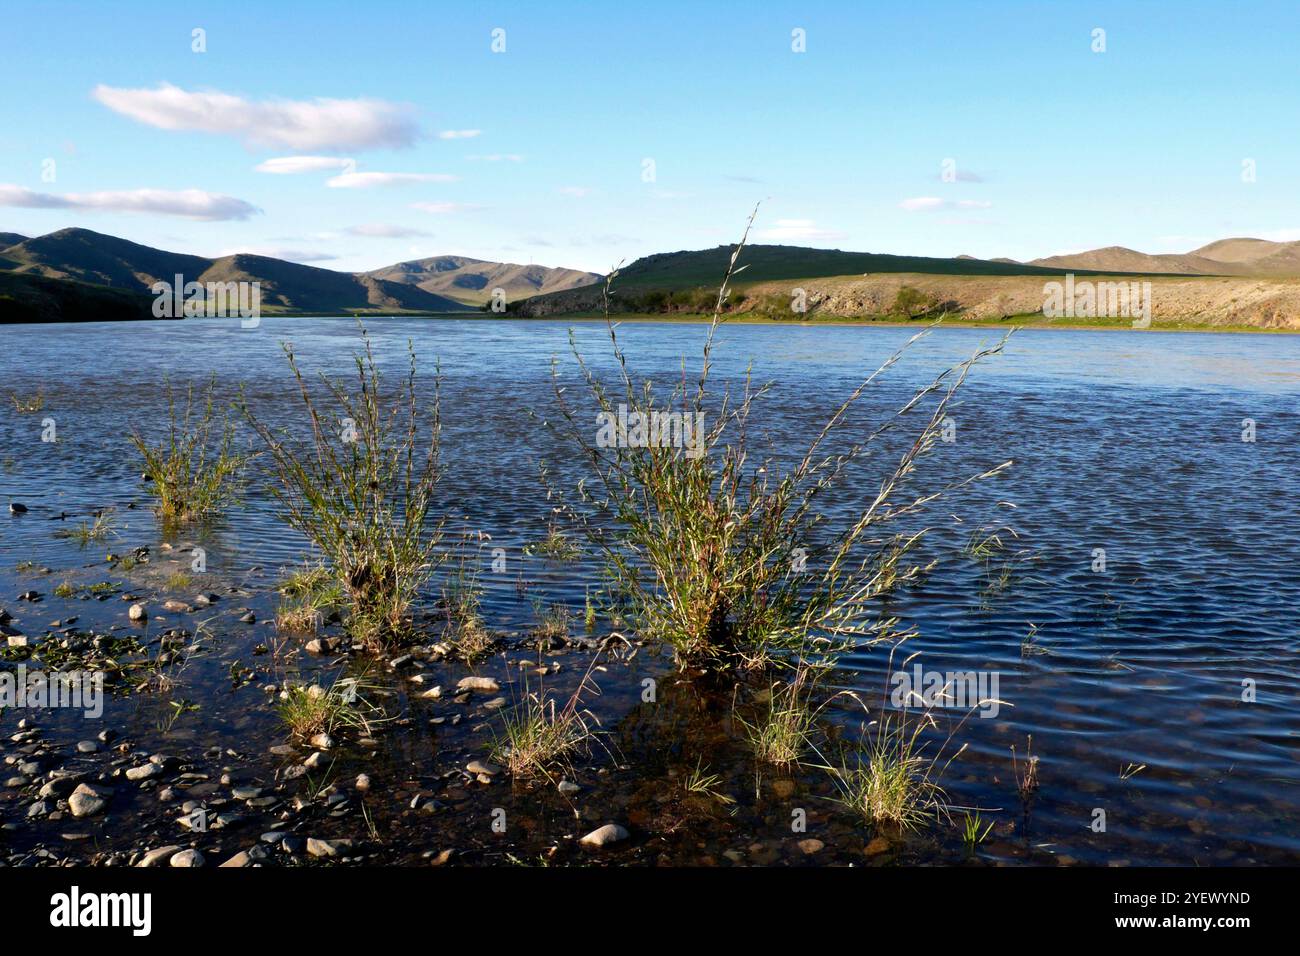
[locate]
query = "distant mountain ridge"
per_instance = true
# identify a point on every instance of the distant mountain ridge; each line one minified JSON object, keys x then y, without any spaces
{"x":472,"y":280}
{"x":85,"y":256}
{"x":1230,"y":257}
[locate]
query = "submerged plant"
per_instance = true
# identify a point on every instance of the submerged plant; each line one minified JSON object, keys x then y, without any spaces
{"x":194,"y":470}
{"x":974,"y":832}
{"x":361,"y":490}
{"x":465,"y":630}
{"x":86,"y":532}
{"x":713,"y":550}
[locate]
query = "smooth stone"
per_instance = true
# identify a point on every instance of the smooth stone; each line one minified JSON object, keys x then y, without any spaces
{"x":811,"y":846}
{"x":160,"y":855}
{"x":87,"y":747}
{"x":187,"y":858}
{"x":483,"y":767}
{"x":482,"y":684}
{"x":84,"y":802}
{"x":568,"y":786}
{"x":137,"y":612}
{"x":326,"y":848}
{"x":143,"y":772}
{"x":603,"y":836}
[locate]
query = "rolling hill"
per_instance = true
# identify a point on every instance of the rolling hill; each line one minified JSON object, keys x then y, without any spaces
{"x":34,"y":298}
{"x":472,"y":280}
{"x":91,"y":257}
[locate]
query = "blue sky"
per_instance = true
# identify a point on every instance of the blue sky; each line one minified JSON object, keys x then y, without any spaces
{"x":538,"y":153}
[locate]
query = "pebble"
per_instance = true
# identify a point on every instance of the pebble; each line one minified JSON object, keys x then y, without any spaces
{"x":482,"y":767}
{"x":85,"y":802}
{"x":87,"y":747}
{"x":137,"y":612}
{"x":187,"y":858}
{"x":568,"y":786}
{"x":322,"y":741}
{"x":363,"y":782}
{"x":160,"y":855}
{"x":177,"y":607}
{"x":17,"y":508}
{"x":326,"y":848}
{"x":603,"y":836}
{"x":484,"y":684}
{"x":143,"y":772}
{"x":811,"y":846}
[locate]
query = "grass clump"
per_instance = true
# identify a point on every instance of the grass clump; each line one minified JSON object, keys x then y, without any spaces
{"x":88,"y":531}
{"x":464,"y":629}
{"x":538,"y":735}
{"x":194,"y":470}
{"x":361,"y":487}
{"x":782,"y":732}
{"x":312,"y":709}
{"x":306,"y":596}
{"x":720,"y":553}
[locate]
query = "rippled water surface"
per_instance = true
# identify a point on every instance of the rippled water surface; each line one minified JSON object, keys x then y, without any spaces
{"x":1181,"y":657}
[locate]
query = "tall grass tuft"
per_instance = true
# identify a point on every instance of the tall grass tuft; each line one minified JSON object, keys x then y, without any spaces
{"x":194,"y":471}
{"x":705,"y":544}
{"x":361,"y":489}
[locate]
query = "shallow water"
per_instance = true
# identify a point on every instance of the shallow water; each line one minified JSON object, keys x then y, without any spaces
{"x":1129,"y":442}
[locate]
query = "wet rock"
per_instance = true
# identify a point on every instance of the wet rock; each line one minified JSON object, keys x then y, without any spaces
{"x":487,"y":685}
{"x":327,"y":848}
{"x":483,"y":768}
{"x":87,"y":747}
{"x":249,"y":618}
{"x":143,"y":772}
{"x":158,"y":856}
{"x":137,"y":612}
{"x":811,"y":846}
{"x":495,"y":704}
{"x":433,"y":693}
{"x":17,"y":508}
{"x":877,"y":846}
{"x":315,"y":760}
{"x":322,"y":741}
{"x":363,"y":782}
{"x":38,"y":809}
{"x":177,"y":607}
{"x":240,"y":859}
{"x":568,"y":787}
{"x":14,"y":638}
{"x":273,"y":837}
{"x":61,"y":783}
{"x":604,"y":836}
{"x":85,"y":802}
{"x":205,"y":600}
{"x":246,"y":793}
{"x":187,"y":858}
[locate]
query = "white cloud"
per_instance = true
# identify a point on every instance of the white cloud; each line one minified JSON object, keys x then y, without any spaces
{"x":367,"y":180}
{"x":380,"y":230}
{"x":459,"y":133}
{"x":921,"y":202}
{"x":320,"y":123}
{"x":282,"y":165}
{"x":497,"y":158}
{"x":187,"y":203}
{"x":805,"y":229}
{"x":442,"y":208}
{"x":577,"y":192}
{"x":929,"y":203}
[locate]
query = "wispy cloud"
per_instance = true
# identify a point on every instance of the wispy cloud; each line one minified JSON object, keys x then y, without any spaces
{"x":186,"y":203}
{"x":443,"y":208}
{"x":459,"y":133}
{"x":497,"y":158}
{"x":928,"y":203}
{"x":805,"y":229}
{"x":381,"y":230}
{"x":284,"y":165}
{"x":578,"y":192}
{"x":328,"y":124}
{"x":369,"y":180}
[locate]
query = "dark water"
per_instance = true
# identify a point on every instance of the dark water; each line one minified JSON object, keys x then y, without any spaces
{"x":1126,"y":442}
